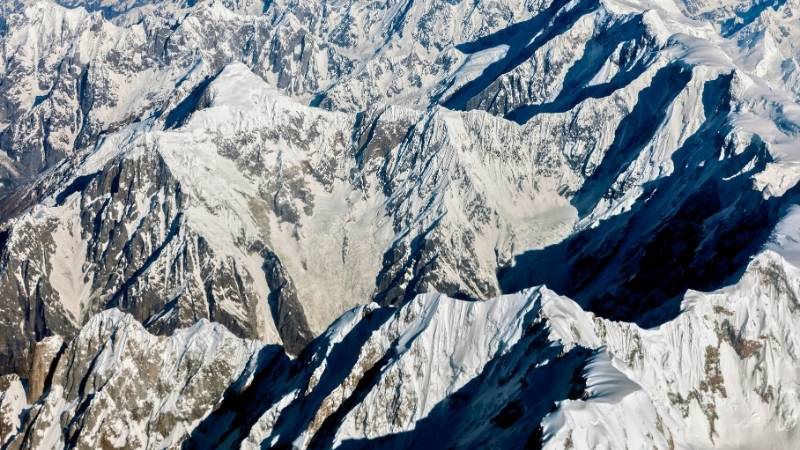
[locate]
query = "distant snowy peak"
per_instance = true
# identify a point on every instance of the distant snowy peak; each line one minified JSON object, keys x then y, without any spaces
{"x":127,"y":11}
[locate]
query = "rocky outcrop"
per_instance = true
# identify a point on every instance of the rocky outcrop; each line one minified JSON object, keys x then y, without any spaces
{"x":118,"y":238}
{"x":531,"y":367}
{"x":115,"y":385}
{"x":44,"y":360}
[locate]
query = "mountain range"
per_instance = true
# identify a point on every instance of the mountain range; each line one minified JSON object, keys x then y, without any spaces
{"x":564,"y":224}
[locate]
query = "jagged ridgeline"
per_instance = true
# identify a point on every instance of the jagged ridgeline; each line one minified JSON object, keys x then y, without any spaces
{"x":400,"y":224}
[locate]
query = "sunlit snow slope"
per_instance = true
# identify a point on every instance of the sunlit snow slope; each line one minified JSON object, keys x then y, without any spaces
{"x":403,"y":224}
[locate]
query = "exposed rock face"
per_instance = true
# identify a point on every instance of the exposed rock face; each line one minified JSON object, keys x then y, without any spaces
{"x":118,"y":238}
{"x":192,"y":192}
{"x":118,"y":386}
{"x":45,"y":356}
{"x":401,"y":377}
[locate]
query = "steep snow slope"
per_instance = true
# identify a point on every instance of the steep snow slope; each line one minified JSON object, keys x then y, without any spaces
{"x":494,"y":370}
{"x":398,"y":201}
{"x":530,"y":367}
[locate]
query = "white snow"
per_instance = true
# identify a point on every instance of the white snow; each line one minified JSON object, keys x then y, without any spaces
{"x":474,"y":65}
{"x":69,"y":275}
{"x":722,"y":374}
{"x":785,"y":239}
{"x":12,"y":404}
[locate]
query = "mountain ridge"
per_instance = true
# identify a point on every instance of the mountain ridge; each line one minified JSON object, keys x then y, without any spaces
{"x":194,"y":191}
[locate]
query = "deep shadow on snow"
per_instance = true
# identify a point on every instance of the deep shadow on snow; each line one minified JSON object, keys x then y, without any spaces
{"x":696,"y":228}
{"x":502,"y":406}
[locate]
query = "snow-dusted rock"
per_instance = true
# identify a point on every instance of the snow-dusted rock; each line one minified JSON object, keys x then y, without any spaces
{"x":271,"y":166}
{"x":535,"y":367}
{"x":117,"y":385}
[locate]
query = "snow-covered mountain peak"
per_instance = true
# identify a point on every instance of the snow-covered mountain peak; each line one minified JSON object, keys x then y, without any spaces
{"x":318,"y":224}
